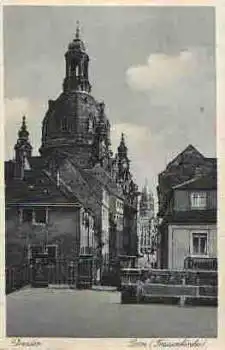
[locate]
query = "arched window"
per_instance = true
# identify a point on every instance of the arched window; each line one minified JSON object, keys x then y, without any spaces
{"x":64,"y":124}
{"x":90,"y":124}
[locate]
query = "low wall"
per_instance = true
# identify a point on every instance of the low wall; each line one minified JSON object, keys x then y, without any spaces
{"x":165,"y":285}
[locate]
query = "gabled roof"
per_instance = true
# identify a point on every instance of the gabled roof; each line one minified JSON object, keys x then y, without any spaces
{"x":36,"y":187}
{"x":181,"y":156}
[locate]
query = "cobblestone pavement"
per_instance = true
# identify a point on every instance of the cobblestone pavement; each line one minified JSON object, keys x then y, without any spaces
{"x":73,"y":313}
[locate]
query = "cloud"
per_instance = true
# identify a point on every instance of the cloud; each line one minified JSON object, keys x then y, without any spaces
{"x":162,"y":71}
{"x":137,"y":137}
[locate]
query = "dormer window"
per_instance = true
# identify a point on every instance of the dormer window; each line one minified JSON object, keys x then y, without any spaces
{"x":198,"y":200}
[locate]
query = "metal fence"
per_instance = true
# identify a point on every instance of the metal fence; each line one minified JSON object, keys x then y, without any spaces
{"x":17,"y":277}
{"x":62,"y":272}
{"x":200,"y":263}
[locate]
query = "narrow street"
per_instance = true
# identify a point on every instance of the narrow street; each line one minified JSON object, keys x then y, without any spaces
{"x":73,"y":313}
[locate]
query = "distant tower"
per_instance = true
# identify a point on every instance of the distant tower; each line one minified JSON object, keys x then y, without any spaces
{"x":77,"y":61}
{"x":23,"y":150}
{"x":146,"y":202}
{"x":146,"y":214}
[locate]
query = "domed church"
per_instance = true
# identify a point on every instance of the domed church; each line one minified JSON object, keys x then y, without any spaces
{"x":76,"y":197}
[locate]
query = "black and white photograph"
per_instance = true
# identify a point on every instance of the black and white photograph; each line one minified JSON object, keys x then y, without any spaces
{"x":110,"y":171}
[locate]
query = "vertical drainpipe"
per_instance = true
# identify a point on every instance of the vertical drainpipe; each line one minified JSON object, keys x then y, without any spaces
{"x":47,"y":218}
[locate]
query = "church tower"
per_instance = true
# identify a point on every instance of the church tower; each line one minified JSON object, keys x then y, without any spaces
{"x":123,"y":161}
{"x":77,"y":61}
{"x":23,"y":151}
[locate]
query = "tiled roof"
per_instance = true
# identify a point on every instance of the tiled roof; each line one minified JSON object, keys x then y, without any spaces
{"x":100,"y":177}
{"x":38,"y":188}
{"x":192,"y":216}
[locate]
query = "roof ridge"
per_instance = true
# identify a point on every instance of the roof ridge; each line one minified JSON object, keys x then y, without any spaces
{"x":91,"y":191}
{"x":182,"y":152}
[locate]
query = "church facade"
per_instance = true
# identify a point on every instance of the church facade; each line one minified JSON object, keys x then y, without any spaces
{"x":76,"y":197}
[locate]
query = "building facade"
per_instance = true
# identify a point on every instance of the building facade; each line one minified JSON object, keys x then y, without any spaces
{"x":187,"y":195}
{"x":76,"y":197}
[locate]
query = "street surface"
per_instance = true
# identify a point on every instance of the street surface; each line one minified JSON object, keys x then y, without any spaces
{"x":73,"y":313}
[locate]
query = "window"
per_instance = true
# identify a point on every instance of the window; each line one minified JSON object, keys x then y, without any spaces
{"x":34,"y":216}
{"x":199,"y":244}
{"x":88,"y":250}
{"x":64,"y":124}
{"x":33,"y":251}
{"x":198,"y":200}
{"x":27,"y":215}
{"x":40,"y":216}
{"x":51,"y":249}
{"x":90,"y":124}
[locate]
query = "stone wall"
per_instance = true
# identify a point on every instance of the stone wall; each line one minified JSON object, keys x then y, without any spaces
{"x":63,"y":229}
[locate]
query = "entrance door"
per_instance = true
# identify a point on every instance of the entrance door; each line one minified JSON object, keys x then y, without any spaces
{"x":40,"y":270}
{"x":85,"y":272}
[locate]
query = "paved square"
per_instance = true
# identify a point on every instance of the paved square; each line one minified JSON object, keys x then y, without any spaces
{"x":73,"y":313}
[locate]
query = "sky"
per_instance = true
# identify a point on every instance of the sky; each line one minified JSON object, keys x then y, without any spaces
{"x":154,"y":67}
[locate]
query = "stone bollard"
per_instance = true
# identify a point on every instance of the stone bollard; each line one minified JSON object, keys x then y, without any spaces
{"x":182,"y":298}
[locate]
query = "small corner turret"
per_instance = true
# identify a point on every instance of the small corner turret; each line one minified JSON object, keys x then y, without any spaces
{"x":23,"y":150}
